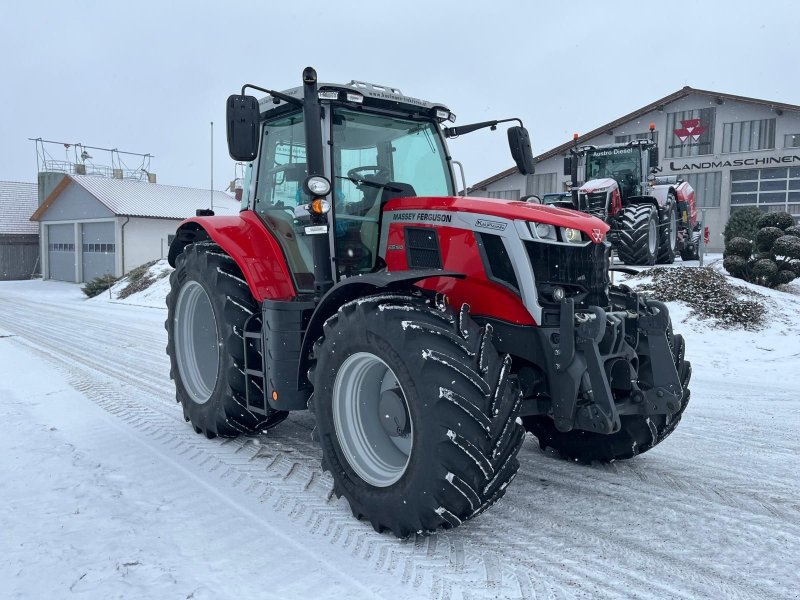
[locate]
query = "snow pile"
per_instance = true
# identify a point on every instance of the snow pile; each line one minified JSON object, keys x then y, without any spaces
{"x":146,"y":285}
{"x":709,"y":293}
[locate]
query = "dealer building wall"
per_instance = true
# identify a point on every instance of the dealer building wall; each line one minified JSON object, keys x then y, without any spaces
{"x":734,"y":153}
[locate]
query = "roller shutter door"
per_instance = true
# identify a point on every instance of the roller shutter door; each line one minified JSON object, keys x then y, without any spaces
{"x":61,"y":251}
{"x":99,"y":250}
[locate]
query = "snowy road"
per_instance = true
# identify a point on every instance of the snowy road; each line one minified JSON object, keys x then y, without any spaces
{"x":91,"y":426}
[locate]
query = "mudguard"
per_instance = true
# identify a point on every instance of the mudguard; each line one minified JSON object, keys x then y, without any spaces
{"x":248,"y":242}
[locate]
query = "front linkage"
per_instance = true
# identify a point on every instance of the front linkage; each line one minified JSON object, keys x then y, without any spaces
{"x":604,"y":364}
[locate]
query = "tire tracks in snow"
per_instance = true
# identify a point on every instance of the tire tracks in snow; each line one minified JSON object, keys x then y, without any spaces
{"x":563,"y":531}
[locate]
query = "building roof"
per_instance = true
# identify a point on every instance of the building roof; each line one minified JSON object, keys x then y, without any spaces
{"x":660,"y":103}
{"x":17,"y":203}
{"x":140,"y":199}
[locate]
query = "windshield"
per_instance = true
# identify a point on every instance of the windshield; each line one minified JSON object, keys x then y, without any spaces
{"x":376,"y":158}
{"x":281,"y":172}
{"x":621,"y":164}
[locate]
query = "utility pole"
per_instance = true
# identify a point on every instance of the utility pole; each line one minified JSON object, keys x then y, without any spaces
{"x":212,"y":165}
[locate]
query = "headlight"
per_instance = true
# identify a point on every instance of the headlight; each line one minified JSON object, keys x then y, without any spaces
{"x":318,"y":186}
{"x":543,"y":231}
{"x":573,"y":236}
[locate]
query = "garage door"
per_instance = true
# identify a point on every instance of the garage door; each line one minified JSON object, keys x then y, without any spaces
{"x":99,"y":250}
{"x":61,"y":251}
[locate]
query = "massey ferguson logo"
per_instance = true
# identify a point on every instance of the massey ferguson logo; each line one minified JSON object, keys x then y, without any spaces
{"x":690,"y":129}
{"x":597,"y":235}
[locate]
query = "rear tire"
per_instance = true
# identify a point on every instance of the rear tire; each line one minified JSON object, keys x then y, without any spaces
{"x":691,"y":251}
{"x":637,"y":434}
{"x":454,"y":451}
{"x":668,"y":234}
{"x":638,"y":235}
{"x":207,"y":305}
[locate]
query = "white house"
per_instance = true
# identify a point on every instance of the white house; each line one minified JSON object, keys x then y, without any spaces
{"x":94,"y":226}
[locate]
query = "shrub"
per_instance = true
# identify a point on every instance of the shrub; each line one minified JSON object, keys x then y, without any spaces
{"x":743,"y":223}
{"x":764,"y":270}
{"x":781,"y":220}
{"x":785,"y":276}
{"x":787,"y":246}
{"x":98,"y":285}
{"x":793,"y":230}
{"x":138,"y":279}
{"x":739,"y":247}
{"x":735,"y":265}
{"x":766,"y":236}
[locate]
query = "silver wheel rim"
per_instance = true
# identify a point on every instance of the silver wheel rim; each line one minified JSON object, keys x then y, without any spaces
{"x":196,"y":342}
{"x":368,"y":404}
{"x":652,"y":236}
{"x":673,"y":231}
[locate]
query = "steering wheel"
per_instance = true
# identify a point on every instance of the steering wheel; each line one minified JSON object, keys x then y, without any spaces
{"x":355,"y":175}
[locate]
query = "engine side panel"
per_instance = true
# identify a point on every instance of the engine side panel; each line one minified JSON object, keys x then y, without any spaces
{"x":245,"y":238}
{"x":459,"y":253}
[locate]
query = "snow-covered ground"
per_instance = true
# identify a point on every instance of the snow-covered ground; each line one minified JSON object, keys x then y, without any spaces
{"x":108,"y":493}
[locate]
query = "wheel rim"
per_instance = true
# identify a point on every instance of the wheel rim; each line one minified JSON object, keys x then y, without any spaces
{"x":652,"y":236}
{"x":196,"y":342}
{"x":673,"y":231}
{"x":372,"y":420}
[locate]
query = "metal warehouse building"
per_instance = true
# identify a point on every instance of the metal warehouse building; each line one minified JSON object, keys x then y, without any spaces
{"x":734,"y":151}
{"x":19,"y":238}
{"x":94,"y":226}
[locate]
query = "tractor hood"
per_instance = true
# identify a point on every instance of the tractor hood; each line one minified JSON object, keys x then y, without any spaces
{"x":506,"y":209}
{"x":594,"y":185}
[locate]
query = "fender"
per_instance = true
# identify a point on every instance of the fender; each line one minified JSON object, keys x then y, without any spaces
{"x":358,"y":287}
{"x":248,"y":242}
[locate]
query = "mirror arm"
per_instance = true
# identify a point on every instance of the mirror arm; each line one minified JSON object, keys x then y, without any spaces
{"x":274,"y":94}
{"x":451,"y":132}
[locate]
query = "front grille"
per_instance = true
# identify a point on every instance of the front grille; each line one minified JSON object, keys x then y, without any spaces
{"x":593,"y":203}
{"x":581,"y":270}
{"x":422,"y":248}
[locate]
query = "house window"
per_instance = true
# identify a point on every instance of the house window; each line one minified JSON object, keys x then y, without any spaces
{"x":775,"y":189}
{"x":690,"y":132}
{"x":504,"y":194}
{"x":624,"y":139}
{"x":746,"y":136}
{"x":707,"y":188}
{"x":791,"y":140}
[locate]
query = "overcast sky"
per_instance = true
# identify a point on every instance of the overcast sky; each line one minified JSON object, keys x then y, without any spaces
{"x":149,"y":77}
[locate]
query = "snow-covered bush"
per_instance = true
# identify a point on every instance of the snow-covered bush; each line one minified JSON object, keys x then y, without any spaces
{"x":777,"y":257}
{"x":98,"y":285}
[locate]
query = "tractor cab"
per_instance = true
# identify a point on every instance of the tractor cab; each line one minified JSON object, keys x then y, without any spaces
{"x":374,"y":145}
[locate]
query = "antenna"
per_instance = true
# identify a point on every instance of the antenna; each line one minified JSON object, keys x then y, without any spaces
{"x":212,"y":165}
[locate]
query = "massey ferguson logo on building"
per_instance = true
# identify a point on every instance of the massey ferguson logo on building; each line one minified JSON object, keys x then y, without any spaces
{"x":597,"y":235}
{"x":691,"y":128}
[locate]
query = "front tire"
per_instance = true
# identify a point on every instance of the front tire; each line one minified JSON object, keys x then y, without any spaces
{"x":638,"y":235}
{"x":207,"y":305}
{"x":416,"y":413}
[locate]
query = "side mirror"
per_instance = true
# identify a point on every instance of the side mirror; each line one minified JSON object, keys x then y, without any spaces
{"x":520,"y":144}
{"x":653,"y":157}
{"x":567,"y":165}
{"x":242,"y":118}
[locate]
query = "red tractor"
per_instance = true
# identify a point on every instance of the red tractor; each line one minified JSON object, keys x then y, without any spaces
{"x":426,"y":331}
{"x":651,"y":218}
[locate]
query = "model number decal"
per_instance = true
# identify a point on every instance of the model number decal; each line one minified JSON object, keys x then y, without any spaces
{"x":496,"y":225}
{"x":422,"y":216}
